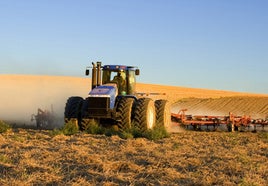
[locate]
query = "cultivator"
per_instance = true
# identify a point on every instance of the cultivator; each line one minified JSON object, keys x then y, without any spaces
{"x":44,"y":118}
{"x":232,"y":121}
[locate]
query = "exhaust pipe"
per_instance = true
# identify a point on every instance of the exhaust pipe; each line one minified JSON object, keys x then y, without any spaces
{"x":98,"y":73}
{"x":94,"y":76}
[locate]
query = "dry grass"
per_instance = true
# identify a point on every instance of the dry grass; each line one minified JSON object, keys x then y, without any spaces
{"x":31,"y":157}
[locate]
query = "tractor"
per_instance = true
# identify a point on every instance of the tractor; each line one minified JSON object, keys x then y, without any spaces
{"x":113,"y":101}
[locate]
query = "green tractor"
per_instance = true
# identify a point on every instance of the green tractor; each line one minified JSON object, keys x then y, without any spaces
{"x":113,"y":101}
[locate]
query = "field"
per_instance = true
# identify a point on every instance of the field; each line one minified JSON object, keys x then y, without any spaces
{"x":256,"y":107}
{"x":42,"y":157}
{"x":31,"y":157}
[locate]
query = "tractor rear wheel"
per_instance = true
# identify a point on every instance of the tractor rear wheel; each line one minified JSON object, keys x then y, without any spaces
{"x":163,"y":115}
{"x":144,"y":116}
{"x":73,"y":110}
{"x":124,"y":110}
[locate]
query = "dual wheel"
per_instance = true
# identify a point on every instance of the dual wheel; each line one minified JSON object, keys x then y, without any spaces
{"x":143,"y":114}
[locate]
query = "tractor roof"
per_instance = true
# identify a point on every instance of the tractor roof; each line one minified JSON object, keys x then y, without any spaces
{"x":118,"y":67}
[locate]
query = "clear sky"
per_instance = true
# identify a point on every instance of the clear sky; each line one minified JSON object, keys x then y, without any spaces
{"x":215,"y":44}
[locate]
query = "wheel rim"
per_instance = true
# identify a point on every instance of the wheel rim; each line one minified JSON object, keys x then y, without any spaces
{"x":167,"y":119}
{"x":151,"y":118}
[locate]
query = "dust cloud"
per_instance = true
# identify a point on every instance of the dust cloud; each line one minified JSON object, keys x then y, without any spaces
{"x":175,"y":128}
{"x":22,"y":95}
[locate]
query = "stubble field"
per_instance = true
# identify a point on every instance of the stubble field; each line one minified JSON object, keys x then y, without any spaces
{"x":31,"y":157}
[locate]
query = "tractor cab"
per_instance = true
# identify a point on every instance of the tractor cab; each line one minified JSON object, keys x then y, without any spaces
{"x":123,"y":76}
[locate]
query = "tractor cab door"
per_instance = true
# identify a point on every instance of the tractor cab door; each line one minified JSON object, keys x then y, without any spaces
{"x":131,"y":82}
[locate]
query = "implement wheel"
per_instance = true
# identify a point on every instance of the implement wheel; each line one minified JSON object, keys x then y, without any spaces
{"x":144,"y":116}
{"x":230,"y":126}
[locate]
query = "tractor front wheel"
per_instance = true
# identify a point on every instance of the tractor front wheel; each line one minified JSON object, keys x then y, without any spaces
{"x":73,"y":110}
{"x":124,"y":110}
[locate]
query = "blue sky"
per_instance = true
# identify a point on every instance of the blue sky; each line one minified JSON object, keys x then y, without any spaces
{"x":215,"y":44}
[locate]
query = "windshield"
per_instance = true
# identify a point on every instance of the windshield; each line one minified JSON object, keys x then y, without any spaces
{"x":125,"y":80}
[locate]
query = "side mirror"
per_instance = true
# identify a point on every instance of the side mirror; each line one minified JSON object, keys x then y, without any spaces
{"x":137,"y":72}
{"x":87,"y":72}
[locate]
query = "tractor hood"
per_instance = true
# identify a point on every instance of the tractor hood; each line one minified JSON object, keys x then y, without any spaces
{"x":105,"y":91}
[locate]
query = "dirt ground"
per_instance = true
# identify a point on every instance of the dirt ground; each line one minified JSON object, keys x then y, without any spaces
{"x":38,"y":157}
{"x":31,"y":157}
